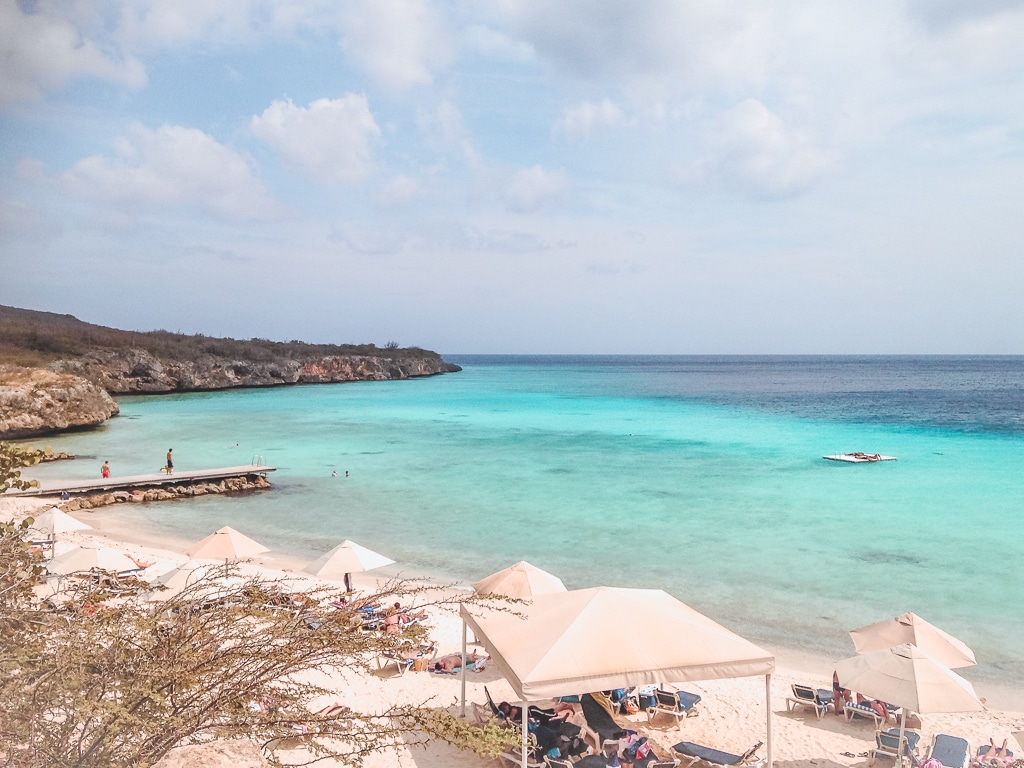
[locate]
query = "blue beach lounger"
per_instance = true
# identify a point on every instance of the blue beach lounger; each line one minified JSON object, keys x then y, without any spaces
{"x":951,"y":751}
{"x":885,"y":744}
{"x":696,"y":752}
{"x":679,"y":704}
{"x":817,"y":699}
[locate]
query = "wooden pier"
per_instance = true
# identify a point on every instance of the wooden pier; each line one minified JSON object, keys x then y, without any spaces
{"x":131,"y":482}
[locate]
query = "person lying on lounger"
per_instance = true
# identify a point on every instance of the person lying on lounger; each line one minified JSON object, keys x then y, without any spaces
{"x":878,"y":706}
{"x":537,"y":715}
{"x":994,"y":755}
{"x":453,"y":661}
{"x":397,"y":618}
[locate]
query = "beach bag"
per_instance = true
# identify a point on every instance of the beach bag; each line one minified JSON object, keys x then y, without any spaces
{"x":631,"y":706}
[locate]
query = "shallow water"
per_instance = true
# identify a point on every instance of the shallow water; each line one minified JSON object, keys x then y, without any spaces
{"x":700,"y":475}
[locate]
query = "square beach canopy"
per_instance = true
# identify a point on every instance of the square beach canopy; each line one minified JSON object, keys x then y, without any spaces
{"x":609,"y":637}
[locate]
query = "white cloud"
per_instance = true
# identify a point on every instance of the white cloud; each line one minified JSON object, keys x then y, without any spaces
{"x":330,"y":141}
{"x":402,"y":189}
{"x":400,"y":43}
{"x":532,"y":188}
{"x":43,"y":50}
{"x":581,"y":120}
{"x":173,"y":165}
{"x":753,"y":149}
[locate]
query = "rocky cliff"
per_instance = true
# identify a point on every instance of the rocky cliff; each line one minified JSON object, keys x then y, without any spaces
{"x":34,"y":401}
{"x":58,"y":372}
{"x":135,"y":371}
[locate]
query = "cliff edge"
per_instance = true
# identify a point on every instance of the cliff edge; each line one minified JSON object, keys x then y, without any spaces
{"x":58,"y":372}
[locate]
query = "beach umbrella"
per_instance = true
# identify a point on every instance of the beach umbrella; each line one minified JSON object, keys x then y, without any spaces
{"x":344,"y":560}
{"x":520,"y":580}
{"x":54,"y":521}
{"x":225,"y":544}
{"x":187,"y":574}
{"x":909,"y":678}
{"x":1019,"y":736}
{"x":89,"y":557}
{"x":911,"y":628}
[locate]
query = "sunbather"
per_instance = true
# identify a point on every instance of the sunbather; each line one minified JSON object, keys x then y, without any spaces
{"x":878,"y":706}
{"x":397,"y":618}
{"x":334,"y":710}
{"x":453,"y":661}
{"x":995,"y":755}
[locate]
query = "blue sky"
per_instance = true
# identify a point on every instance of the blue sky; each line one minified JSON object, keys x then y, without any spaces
{"x":513,"y":176}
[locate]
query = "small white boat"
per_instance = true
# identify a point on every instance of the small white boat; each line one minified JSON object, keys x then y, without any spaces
{"x":859,"y":457}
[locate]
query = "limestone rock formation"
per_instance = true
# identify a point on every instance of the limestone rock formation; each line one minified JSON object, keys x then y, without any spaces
{"x":34,"y":401}
{"x":136,"y":371}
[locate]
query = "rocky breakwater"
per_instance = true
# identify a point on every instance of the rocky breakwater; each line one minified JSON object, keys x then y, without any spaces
{"x":35,"y":401}
{"x":136,"y":371}
{"x":166,"y":493}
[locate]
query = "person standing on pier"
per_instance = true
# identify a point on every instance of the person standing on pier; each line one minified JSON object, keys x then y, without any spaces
{"x":170,"y":461}
{"x":105,"y":469}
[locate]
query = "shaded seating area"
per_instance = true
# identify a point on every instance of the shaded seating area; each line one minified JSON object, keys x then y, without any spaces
{"x":600,"y":723}
{"x":679,"y":704}
{"x":951,"y":751}
{"x":807,"y":697}
{"x":886,"y":745}
{"x":694,"y":753}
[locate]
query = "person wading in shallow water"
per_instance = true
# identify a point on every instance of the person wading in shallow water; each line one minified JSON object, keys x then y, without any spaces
{"x":105,"y":469}
{"x":170,"y":461}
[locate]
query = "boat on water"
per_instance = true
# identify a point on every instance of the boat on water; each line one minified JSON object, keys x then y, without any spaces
{"x":859,"y":457}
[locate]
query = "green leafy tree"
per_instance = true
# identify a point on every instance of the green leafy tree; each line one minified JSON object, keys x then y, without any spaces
{"x":13,"y":458}
{"x":88,"y":680}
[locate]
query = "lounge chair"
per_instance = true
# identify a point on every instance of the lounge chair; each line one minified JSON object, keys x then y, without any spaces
{"x":852,"y":710}
{"x":601,"y":725}
{"x":951,"y":751}
{"x":817,"y":699}
{"x":885,"y":745}
{"x":404,"y":660}
{"x":679,"y":704}
{"x":984,"y":749}
{"x":694,"y":753}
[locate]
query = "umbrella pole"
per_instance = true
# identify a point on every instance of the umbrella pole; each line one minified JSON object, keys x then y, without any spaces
{"x":899,"y":744}
{"x":768,"y":718}
{"x":462,"y":710}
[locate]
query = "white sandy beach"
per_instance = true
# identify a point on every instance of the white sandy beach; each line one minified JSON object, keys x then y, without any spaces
{"x":732,"y":712}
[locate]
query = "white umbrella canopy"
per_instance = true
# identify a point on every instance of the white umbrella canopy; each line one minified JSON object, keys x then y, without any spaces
{"x":908,"y":677}
{"x":346,"y":558}
{"x":520,"y":580}
{"x":225,"y":544}
{"x":187,"y":574}
{"x":89,"y":557}
{"x":911,"y":628}
{"x":54,"y":521}
{"x":1019,"y":736}
{"x":608,"y":637}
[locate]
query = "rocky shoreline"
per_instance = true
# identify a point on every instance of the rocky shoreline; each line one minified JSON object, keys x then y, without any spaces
{"x":77,"y":393}
{"x":165,"y":493}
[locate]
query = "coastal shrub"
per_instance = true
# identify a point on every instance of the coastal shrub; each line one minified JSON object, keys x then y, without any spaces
{"x":13,"y":458}
{"x":100,"y":675}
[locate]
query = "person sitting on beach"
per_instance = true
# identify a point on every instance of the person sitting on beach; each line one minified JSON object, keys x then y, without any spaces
{"x":397,"y":618}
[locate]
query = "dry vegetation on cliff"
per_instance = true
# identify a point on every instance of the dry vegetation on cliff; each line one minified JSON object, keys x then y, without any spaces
{"x":34,"y":339}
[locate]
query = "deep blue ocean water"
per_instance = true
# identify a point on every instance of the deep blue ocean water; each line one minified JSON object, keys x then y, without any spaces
{"x":700,"y":475}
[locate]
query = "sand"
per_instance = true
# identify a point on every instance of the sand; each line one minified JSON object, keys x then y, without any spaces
{"x":732,"y":712}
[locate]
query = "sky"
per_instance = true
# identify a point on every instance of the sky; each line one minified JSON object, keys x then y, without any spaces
{"x":516,"y":176}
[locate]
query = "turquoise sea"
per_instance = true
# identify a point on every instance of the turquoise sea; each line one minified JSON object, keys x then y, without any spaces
{"x":699,"y":475}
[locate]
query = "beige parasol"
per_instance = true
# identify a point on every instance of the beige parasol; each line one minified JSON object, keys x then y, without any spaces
{"x":908,"y":677}
{"x":89,"y":557}
{"x":344,"y":560}
{"x":911,"y":628}
{"x":225,"y":544}
{"x":1019,"y":736}
{"x":520,"y":580}
{"x":54,"y":521}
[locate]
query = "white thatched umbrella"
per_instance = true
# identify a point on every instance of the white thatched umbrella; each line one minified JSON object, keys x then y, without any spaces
{"x":344,"y":560}
{"x":90,"y":557}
